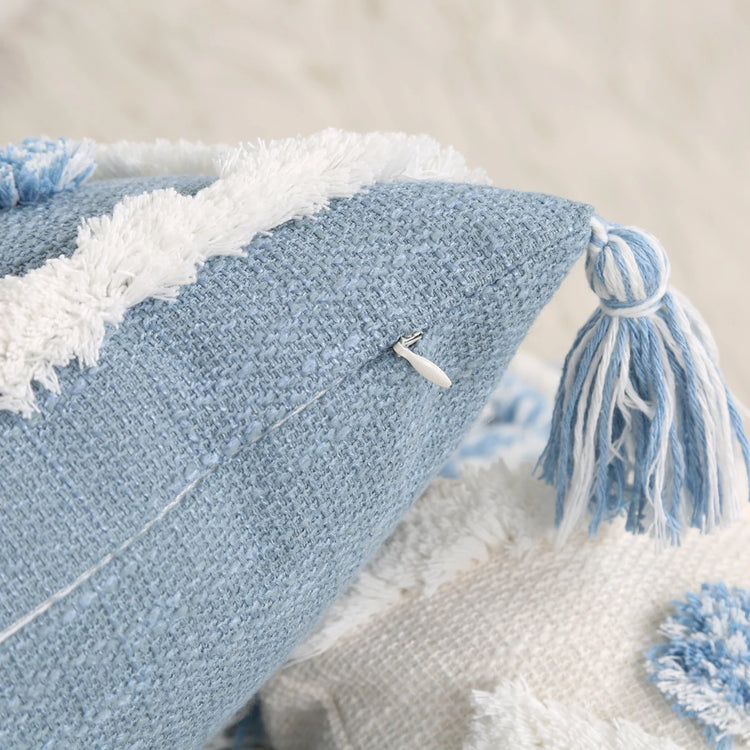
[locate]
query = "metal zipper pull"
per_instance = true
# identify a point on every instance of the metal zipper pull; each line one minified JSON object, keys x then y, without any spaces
{"x":422,"y":365}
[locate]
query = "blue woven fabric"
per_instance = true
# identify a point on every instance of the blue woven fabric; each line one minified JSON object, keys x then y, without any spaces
{"x":514,"y":424}
{"x":239,"y":453}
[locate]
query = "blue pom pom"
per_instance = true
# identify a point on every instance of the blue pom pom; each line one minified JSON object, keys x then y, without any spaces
{"x":704,"y":667}
{"x":39,"y":167}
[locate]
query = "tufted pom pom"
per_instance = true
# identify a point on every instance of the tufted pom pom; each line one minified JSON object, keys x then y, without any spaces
{"x":704,"y":667}
{"x":643,"y":421}
{"x":40,"y":167}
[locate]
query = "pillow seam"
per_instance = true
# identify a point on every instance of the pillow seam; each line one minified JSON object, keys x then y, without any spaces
{"x":21,"y":622}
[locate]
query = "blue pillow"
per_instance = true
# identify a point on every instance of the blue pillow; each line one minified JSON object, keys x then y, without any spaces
{"x":182,"y":504}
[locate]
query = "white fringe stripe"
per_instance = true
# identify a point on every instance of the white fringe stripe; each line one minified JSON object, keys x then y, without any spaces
{"x":512,"y":717}
{"x":153,"y":244}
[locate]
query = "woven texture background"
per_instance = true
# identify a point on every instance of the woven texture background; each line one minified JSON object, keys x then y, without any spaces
{"x":574,"y":623}
{"x":161,"y":645}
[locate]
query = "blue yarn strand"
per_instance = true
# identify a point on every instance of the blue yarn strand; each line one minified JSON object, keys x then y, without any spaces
{"x":608,"y":478}
{"x":559,"y":471}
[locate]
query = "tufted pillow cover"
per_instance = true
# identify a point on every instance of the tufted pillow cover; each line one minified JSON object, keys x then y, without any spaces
{"x":182,"y":504}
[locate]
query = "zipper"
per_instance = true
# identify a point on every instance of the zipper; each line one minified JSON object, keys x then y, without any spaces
{"x":422,"y":365}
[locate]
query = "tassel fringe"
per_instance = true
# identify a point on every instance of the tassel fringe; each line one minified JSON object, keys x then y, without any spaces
{"x":643,"y":422}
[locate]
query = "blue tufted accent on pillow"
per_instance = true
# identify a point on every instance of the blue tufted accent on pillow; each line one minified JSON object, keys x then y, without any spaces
{"x":38,"y":168}
{"x":179,"y":518}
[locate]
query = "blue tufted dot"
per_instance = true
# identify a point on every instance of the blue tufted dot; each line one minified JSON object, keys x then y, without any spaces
{"x":38,"y":168}
{"x":704,"y":666}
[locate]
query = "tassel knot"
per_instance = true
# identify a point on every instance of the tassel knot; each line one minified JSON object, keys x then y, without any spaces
{"x":643,"y":422}
{"x":627,"y":268}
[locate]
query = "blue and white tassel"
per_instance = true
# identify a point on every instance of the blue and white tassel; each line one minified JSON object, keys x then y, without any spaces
{"x":643,"y":421}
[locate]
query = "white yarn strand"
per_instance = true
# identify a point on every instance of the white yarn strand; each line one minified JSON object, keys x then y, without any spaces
{"x":584,"y":442}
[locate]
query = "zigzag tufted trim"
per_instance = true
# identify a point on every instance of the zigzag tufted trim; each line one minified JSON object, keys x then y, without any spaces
{"x":153,"y":244}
